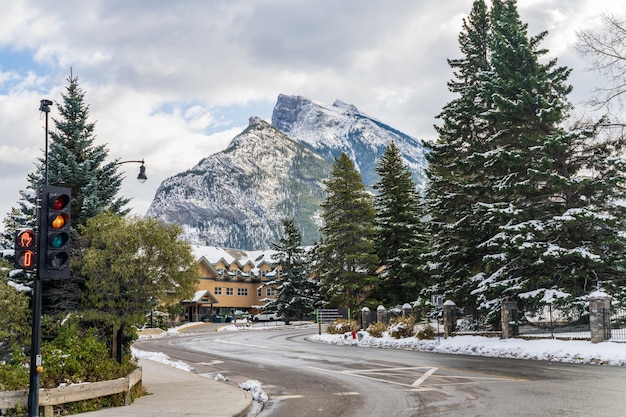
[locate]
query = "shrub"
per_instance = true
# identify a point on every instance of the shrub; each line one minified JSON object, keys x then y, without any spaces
{"x":402,"y":327}
{"x":74,"y":357}
{"x":342,"y":326}
{"x":427,"y":333}
{"x":13,"y":376}
{"x":376,"y":329}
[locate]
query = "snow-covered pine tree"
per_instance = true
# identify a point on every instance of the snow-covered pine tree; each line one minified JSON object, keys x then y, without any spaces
{"x":551,"y":191}
{"x":455,"y":170}
{"x":297,"y":294}
{"x":346,"y":257}
{"x":74,"y":161}
{"x":524,"y":167}
{"x":400,"y":241}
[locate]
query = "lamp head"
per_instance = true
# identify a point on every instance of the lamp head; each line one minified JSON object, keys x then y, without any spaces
{"x":44,"y":105}
{"x":142,"y":174}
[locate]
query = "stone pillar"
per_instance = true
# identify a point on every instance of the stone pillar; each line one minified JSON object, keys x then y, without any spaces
{"x":381,"y":314}
{"x":508,"y":316}
{"x":600,"y":316}
{"x":365,"y":318}
{"x":407,"y":310}
{"x":449,"y":318}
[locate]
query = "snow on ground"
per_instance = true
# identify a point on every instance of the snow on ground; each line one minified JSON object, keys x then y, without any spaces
{"x":573,"y":351}
{"x":161,"y":358}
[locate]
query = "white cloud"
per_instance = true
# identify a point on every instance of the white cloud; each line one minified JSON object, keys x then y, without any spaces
{"x":162,"y":77}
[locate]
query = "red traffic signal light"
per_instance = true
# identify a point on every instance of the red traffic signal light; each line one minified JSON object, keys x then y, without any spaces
{"x":54,"y":258}
{"x":25,"y":249}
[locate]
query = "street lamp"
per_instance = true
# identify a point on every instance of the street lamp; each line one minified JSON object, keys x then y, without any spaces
{"x":35,"y":340}
{"x":142,"y":170}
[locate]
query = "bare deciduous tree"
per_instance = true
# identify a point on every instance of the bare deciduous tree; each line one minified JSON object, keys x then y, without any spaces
{"x":607,"y":50}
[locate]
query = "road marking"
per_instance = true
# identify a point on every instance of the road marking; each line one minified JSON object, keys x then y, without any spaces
{"x":215,"y":362}
{"x":342,"y":394}
{"x":424,"y":377}
{"x":288,"y":397}
{"x":387,"y":375}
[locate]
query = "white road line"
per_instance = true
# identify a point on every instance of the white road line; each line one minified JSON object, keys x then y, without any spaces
{"x":215,"y":362}
{"x":288,"y":397}
{"x":424,"y":377}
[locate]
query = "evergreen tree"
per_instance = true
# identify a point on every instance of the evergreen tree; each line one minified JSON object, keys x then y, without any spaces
{"x":457,"y":186}
{"x":400,"y":239}
{"x":347,"y":257}
{"x":296,"y":293}
{"x":544,"y":218}
{"x":74,"y":161}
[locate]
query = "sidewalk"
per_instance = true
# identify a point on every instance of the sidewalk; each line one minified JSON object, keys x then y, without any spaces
{"x":176,"y":393}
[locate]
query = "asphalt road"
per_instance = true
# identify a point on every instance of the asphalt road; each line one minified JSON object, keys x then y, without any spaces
{"x":310,"y":379}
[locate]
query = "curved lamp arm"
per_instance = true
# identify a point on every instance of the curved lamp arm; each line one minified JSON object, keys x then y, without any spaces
{"x":142,"y":170}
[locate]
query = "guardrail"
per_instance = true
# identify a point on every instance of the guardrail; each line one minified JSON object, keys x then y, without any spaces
{"x":49,"y":397}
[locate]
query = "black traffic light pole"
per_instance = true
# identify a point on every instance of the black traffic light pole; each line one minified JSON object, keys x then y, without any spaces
{"x":35,"y":344}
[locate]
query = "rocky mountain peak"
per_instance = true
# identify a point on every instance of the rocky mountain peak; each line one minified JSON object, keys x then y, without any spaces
{"x":237,"y":198}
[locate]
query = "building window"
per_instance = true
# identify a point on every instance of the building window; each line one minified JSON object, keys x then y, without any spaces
{"x":218,"y":290}
{"x":220,"y":271}
{"x":263,"y":272}
{"x":229,"y":291}
{"x":242,"y":292}
{"x":259,"y":292}
{"x":269,"y":292}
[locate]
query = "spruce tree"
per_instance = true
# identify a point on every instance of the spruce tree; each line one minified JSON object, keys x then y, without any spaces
{"x":74,"y":161}
{"x":457,"y":186}
{"x":543,"y":200}
{"x":297,"y":294}
{"x":346,"y":256}
{"x":400,"y":239}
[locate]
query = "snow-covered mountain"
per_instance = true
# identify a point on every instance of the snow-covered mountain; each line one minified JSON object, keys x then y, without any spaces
{"x":237,"y":198}
{"x":341,"y":127}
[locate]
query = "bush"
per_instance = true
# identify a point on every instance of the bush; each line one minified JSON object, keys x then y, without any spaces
{"x":74,"y":358}
{"x":402,"y":327}
{"x":342,"y":326}
{"x":13,"y":377}
{"x":376,"y":329}
{"x":427,"y":333}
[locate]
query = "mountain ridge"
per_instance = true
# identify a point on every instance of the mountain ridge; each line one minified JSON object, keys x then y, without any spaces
{"x":238,"y":197}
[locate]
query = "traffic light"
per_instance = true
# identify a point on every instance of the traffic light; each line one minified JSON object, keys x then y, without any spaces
{"x":54,"y":231}
{"x":25,"y":249}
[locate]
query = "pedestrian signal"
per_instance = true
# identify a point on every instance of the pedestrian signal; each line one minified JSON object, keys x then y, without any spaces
{"x":25,"y":249}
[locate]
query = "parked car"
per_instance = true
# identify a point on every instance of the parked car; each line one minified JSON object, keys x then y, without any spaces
{"x":265,"y":317}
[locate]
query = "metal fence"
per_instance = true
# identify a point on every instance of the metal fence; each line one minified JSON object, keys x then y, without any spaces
{"x":546,"y":321}
{"x":556,"y":323}
{"x":618,"y":323}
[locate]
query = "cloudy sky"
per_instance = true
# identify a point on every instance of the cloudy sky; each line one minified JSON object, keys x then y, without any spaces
{"x":172,"y":82}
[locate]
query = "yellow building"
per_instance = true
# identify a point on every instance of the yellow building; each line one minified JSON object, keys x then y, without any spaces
{"x":230,"y":282}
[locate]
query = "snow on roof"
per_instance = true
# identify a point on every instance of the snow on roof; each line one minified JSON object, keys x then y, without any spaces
{"x":213,"y":254}
{"x":198,"y":295}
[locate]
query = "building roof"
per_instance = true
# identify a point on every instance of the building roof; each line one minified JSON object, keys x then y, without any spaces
{"x":199,"y":295}
{"x":213,"y":255}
